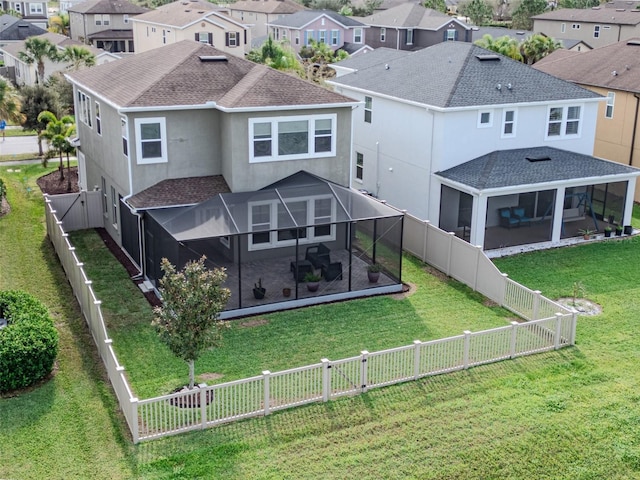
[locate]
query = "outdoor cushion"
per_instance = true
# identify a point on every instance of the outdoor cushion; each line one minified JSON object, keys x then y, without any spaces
{"x":518,"y":212}
{"x":506,"y":220}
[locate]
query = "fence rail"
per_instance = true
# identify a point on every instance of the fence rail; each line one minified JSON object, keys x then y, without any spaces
{"x":551,"y":326}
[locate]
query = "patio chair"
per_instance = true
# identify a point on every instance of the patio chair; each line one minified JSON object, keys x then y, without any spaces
{"x":506,"y":219}
{"x":518,"y":212}
{"x":304,"y":267}
{"x":318,"y":255}
{"x":333,"y":271}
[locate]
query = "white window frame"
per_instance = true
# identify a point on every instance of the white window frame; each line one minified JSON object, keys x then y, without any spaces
{"x":335,"y":35}
{"x":311,"y":125}
{"x":357,"y":35}
{"x":272,"y":224}
{"x":575,"y":26}
{"x":35,"y":9}
{"x":84,"y":108}
{"x":506,"y":122}
{"x":563,"y":27}
{"x":451,"y":34}
{"x":608,"y":109}
{"x":124,"y":126}
{"x":234,"y":39}
{"x":297,"y":38}
{"x":596,"y":31}
{"x":368,"y":109}
{"x":125,"y":19}
{"x":481,"y":115}
{"x":114,"y":207}
{"x":322,"y":36}
{"x":163,"y":158}
{"x":383,"y":34}
{"x":359,"y":167}
{"x":310,"y":37}
{"x":106,"y":20}
{"x":98,"y":119}
{"x":409,"y":36}
{"x":17,"y":7}
{"x":97,"y":20}
{"x":563,"y":122}
{"x":105,"y":198}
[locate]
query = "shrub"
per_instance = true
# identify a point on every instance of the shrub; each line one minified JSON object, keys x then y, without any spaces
{"x":3,"y":189}
{"x":29,"y":342}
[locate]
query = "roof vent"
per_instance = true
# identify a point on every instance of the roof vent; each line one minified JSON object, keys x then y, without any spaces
{"x":620,"y":9}
{"x":538,"y":158}
{"x":634,"y":42}
{"x":488,"y":57}
{"x":213,"y":58}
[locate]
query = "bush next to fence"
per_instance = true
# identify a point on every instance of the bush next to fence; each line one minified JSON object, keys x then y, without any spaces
{"x":3,"y":189}
{"x":28,"y":341}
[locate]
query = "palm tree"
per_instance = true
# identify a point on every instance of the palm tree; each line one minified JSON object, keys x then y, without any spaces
{"x":507,"y":46}
{"x":78,"y":57}
{"x":538,"y":46}
{"x":59,"y":24}
{"x":57,"y":133}
{"x":10,"y":103}
{"x":36,"y":50}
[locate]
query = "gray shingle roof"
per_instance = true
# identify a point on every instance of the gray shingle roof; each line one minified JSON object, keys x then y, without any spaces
{"x":305,"y":17}
{"x":508,"y":168}
{"x":179,"y":191}
{"x":408,"y":15}
{"x":182,"y":13}
{"x":113,"y":7}
{"x":450,"y":74}
{"x":175,"y":75}
{"x":382,"y":56}
{"x":13,"y":28}
{"x":267,"y":6}
{"x":592,"y":15}
{"x":58,"y":40}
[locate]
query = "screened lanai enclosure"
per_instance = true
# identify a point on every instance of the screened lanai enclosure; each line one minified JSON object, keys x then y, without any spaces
{"x":276,"y":237}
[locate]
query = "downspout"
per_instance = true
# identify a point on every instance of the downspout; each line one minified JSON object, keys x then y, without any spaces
{"x":635,"y":127}
{"x":397,"y":38}
{"x":377,"y":169}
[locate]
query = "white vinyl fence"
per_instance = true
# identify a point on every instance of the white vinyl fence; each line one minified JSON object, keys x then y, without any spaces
{"x":269,"y":392}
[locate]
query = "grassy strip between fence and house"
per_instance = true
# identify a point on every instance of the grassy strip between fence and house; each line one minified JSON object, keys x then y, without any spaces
{"x":567,"y":414}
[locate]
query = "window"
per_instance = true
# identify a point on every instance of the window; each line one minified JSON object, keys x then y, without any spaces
{"x":335,"y":37}
{"x":231,"y":39}
{"x":204,"y":37}
{"x":383,"y":34}
{"x":596,"y":31}
{"x":17,"y":7}
{"x":451,"y":35}
{"x":575,"y":26}
{"x":563,"y":27}
{"x":485,"y":119}
{"x":105,"y":200}
{"x":98,"y":120}
{"x":164,"y":36}
{"x":98,"y":19}
{"x":322,"y":36}
{"x":308,"y":36}
{"x":359,"y":166}
{"x":368,"y":106}
{"x":125,"y":19}
{"x":114,"y":207}
{"x":297,"y":38}
{"x":410,"y":36}
{"x":84,"y":107}
{"x":102,"y":19}
{"x":151,"y":140}
{"x":357,"y":35}
{"x":270,"y":222}
{"x":611,"y":97}
{"x":125,"y":136}
{"x":509,"y":123}
{"x":35,"y":9}
{"x":291,"y":138}
{"x":563,"y":121}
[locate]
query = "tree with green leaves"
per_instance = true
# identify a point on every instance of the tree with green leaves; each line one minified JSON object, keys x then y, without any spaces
{"x":478,"y":11}
{"x":78,"y":57}
{"x":522,"y":15}
{"x":37,"y":99}
{"x":59,"y":24}
{"x":188,"y":320}
{"x":276,"y":55}
{"x":36,"y":51}
{"x":438,"y":5}
{"x":505,"y":45}
{"x":316,"y":57}
{"x":538,"y":46}
{"x":10,"y":103}
{"x":57,"y":134}
{"x":64,"y":91}
{"x":578,"y":3}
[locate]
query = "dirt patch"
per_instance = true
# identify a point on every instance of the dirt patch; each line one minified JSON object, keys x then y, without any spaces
{"x":4,"y":207}
{"x":434,"y":272}
{"x":52,"y":185}
{"x":582,"y":305}
{"x":489,"y":303}
{"x":408,"y":289}
{"x":210,"y":376}
{"x":255,"y":322}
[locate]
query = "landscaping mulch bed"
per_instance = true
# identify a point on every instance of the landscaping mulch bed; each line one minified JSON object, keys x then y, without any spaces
{"x":52,"y":185}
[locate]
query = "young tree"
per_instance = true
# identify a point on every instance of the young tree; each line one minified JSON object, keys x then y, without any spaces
{"x":316,"y":58}
{"x":522,"y":15}
{"x":187,"y":321}
{"x":478,"y":11}
{"x":438,"y":5}
{"x":37,"y":99}
{"x":507,"y":46}
{"x":10,"y":103}
{"x":36,"y":51}
{"x":276,"y":56}
{"x":538,"y":46}
{"x":63,"y":89}
{"x":57,"y":133}
{"x":59,"y":24}
{"x":77,"y":57}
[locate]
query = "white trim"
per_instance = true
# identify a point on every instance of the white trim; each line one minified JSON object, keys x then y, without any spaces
{"x":482,"y":124}
{"x":612,"y":96}
{"x":563,"y":122}
{"x":163,"y":158}
{"x":513,"y":123}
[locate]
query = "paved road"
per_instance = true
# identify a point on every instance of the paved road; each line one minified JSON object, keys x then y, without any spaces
{"x":18,"y":145}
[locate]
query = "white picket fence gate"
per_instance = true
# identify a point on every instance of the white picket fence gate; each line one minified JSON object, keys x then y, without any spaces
{"x":551,"y":326}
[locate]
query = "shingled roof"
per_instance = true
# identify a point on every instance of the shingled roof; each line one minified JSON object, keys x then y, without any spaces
{"x":615,"y":66}
{"x":13,"y":28}
{"x":281,"y":7}
{"x":183,"y":13}
{"x":179,"y":192}
{"x":459,"y":74}
{"x":303,"y":18}
{"x":529,"y":166}
{"x":409,"y":15}
{"x":592,"y":15}
{"x":190,"y":73}
{"x":113,"y":7}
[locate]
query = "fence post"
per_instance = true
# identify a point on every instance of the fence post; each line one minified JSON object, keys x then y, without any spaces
{"x":536,"y":304}
{"x":265,"y":378}
{"x":503,"y":297}
{"x":450,"y":247}
{"x":135,"y":432}
{"x":326,"y":379}
{"x":364,"y":356}
{"x":475,"y":274}
{"x":416,"y":359}
{"x":574,"y":324}
{"x":467,"y":342}
{"x":426,"y":239}
{"x":558,"y":335}
{"x":514,"y":337}
{"x":203,"y":404}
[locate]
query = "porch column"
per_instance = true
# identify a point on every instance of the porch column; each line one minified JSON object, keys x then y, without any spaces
{"x":628,"y":202}
{"x":558,"y":211}
{"x":478,"y":220}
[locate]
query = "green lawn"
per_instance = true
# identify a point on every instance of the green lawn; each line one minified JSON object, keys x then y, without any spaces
{"x":571,"y":414}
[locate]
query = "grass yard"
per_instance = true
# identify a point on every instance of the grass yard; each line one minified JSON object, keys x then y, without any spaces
{"x":571,"y":414}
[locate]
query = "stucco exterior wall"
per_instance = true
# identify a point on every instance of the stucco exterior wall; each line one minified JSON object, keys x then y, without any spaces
{"x":608,"y":34}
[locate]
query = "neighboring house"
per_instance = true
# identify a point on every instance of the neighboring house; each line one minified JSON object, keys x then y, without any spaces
{"x":520,"y":35}
{"x":105,"y":24}
{"x":197,"y":20}
{"x":613,"y":72}
{"x":258,"y":13}
{"x":194,"y":151}
{"x":33,"y":12}
{"x":459,"y":135}
{"x":323,"y":26}
{"x":14,"y":29}
{"x":65,"y":5}
{"x":27,"y":74}
{"x":410,"y":27}
{"x":596,"y":26}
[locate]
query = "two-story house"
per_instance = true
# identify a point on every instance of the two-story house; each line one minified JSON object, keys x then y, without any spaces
{"x":34,"y":12}
{"x":597,"y":27}
{"x":258,"y":13}
{"x":199,"y":152}
{"x":197,"y":20}
{"x":612,"y":71}
{"x":104,"y":24}
{"x":14,"y":29}
{"x":323,"y":26}
{"x":479,"y":144}
{"x":409,"y":27}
